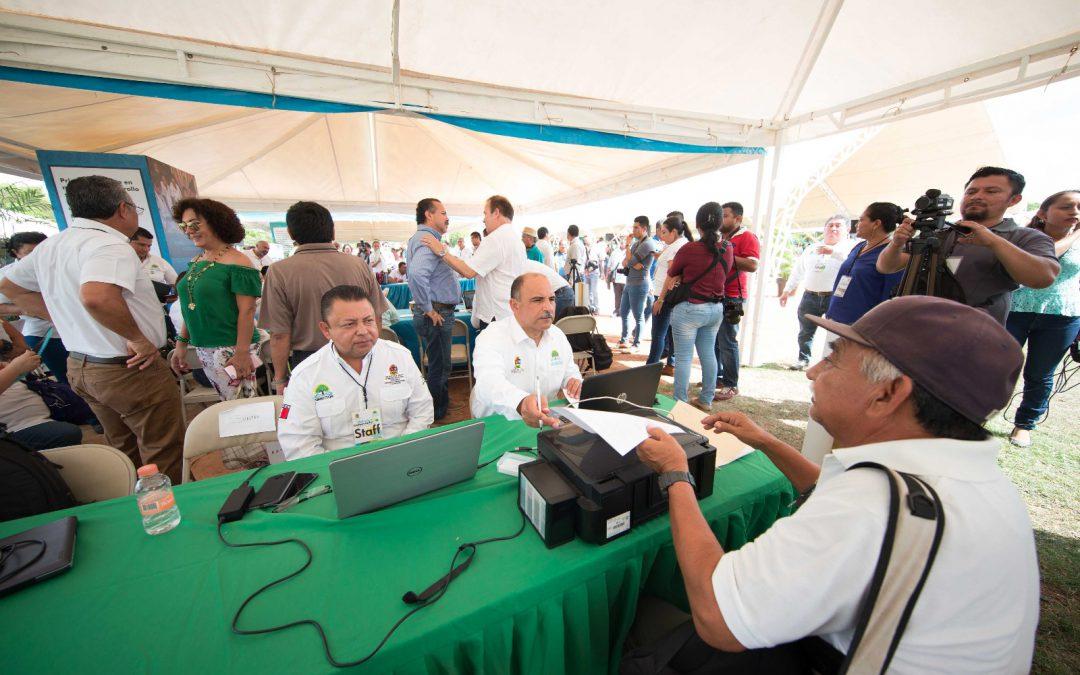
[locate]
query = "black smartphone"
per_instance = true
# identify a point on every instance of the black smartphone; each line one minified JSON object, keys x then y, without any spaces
{"x":274,"y":490}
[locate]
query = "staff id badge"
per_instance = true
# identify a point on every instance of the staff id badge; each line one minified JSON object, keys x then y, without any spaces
{"x":841,"y":286}
{"x":367,"y":425}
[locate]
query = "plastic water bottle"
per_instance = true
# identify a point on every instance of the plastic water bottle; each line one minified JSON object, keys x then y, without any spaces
{"x":154,"y":494}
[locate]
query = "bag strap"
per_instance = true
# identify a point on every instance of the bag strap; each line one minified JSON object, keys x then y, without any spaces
{"x":718,"y":257}
{"x":912,"y":536}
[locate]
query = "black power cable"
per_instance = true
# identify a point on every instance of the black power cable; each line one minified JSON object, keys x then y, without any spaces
{"x":471,"y":547}
{"x":1061,"y":385}
{"x":7,"y":552}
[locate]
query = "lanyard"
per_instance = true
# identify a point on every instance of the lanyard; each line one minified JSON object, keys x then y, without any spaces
{"x":367,"y":373}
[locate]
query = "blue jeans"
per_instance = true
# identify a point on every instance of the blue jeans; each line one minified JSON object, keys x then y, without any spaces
{"x":592,"y":283}
{"x":49,"y":435}
{"x":727,"y":352}
{"x":1048,"y":337}
{"x":661,"y":326}
{"x":436,"y":343}
{"x":814,"y":305}
{"x":695,"y":326}
{"x":633,"y":302}
{"x":564,"y":300}
{"x":54,"y":356}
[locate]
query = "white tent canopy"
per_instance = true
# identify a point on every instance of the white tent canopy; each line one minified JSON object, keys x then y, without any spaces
{"x":721,"y":72}
{"x":264,"y":160}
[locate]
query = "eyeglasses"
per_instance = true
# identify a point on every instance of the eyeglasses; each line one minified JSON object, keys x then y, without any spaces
{"x":188,"y":225}
{"x":138,"y":209}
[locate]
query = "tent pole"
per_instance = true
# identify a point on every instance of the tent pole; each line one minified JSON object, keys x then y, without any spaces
{"x":755,"y":217}
{"x":767,"y":252}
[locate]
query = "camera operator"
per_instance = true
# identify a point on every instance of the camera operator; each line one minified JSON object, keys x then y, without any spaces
{"x":997,"y":256}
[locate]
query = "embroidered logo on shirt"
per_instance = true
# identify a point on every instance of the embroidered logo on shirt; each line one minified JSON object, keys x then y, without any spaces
{"x":517,"y":364}
{"x":392,"y":375}
{"x":284,"y":412}
{"x":323,"y":392}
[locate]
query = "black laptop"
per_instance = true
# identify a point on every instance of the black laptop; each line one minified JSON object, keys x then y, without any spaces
{"x":36,"y":554}
{"x":636,"y":385}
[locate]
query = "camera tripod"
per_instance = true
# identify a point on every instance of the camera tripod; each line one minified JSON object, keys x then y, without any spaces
{"x":927,"y":272}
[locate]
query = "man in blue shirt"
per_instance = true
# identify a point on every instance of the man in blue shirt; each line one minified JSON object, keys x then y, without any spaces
{"x":435,"y":292}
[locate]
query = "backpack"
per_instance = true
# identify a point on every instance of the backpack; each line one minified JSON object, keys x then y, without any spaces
{"x":63,"y":403}
{"x":29,"y":483}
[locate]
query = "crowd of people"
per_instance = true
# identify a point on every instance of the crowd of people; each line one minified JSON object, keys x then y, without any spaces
{"x":897,"y":378}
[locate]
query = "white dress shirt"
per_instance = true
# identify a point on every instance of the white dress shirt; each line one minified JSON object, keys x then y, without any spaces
{"x":553,"y":278}
{"x":497,"y":261}
{"x":808,"y":573}
{"x":816,"y":270}
{"x":159,"y":270}
{"x":508,"y":365}
{"x":545,"y":249}
{"x":576,"y":252}
{"x":258,"y":262}
{"x":90,"y":251}
{"x":31,"y":325}
{"x":662,"y":264}
{"x":324,"y":392}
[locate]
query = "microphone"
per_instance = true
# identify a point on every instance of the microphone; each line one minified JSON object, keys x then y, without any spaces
{"x":412,"y":598}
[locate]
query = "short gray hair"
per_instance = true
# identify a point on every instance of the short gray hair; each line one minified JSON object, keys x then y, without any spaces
{"x":876,"y":368}
{"x":95,"y":196}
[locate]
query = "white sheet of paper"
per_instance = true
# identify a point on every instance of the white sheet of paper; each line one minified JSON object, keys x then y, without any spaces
{"x":252,"y":418}
{"x":621,"y":431}
{"x":728,"y":448}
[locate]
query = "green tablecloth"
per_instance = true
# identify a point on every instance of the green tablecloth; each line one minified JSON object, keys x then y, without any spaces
{"x":399,"y":295}
{"x":136,"y":603}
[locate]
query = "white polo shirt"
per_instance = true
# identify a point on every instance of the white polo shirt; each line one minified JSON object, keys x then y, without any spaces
{"x":90,"y":251}
{"x":809,"y":572}
{"x":324,"y":392}
{"x":498,"y":260}
{"x":159,"y":270}
{"x":31,"y":325}
{"x":507,"y":365}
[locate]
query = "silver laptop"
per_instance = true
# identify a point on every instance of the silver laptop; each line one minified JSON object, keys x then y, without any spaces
{"x":372,"y":480}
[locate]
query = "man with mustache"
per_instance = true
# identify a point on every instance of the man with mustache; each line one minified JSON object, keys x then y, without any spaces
{"x":998,"y":256}
{"x":521,"y":363}
{"x":355,"y":389}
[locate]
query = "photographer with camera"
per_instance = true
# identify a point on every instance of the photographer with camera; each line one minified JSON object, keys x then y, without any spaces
{"x":989,"y":255}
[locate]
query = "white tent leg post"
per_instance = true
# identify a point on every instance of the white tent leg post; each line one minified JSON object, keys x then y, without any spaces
{"x":750,"y":326}
{"x":766,"y":253}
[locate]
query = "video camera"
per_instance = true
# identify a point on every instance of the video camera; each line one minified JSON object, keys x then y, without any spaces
{"x":930,"y":211}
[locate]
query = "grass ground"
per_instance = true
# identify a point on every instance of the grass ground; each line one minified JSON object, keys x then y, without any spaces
{"x":1046,"y":475}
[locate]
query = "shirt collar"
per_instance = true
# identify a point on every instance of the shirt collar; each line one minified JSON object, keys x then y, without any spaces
{"x":969,"y":461}
{"x":518,"y":335}
{"x":430,"y":230}
{"x":323,"y":246}
{"x":88,"y":224}
{"x":1006,"y":225}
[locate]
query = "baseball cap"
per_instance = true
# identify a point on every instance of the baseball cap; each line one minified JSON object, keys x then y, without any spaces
{"x":959,"y":354}
{"x":529,"y":231}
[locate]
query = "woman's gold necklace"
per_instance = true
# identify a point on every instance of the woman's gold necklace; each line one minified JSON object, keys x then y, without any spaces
{"x":194,"y":275}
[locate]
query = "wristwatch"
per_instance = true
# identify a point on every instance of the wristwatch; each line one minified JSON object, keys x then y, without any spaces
{"x":669,"y":478}
{"x":442,"y":253}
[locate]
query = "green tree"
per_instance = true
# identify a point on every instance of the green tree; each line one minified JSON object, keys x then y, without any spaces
{"x":25,"y":199}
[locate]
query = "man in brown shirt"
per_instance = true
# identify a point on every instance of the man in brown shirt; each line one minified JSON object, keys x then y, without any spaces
{"x":293,"y":287}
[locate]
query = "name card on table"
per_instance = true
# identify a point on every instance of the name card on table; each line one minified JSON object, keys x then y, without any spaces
{"x":252,"y":418}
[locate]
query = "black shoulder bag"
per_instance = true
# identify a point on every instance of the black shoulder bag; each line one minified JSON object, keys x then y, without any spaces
{"x":684,"y":290}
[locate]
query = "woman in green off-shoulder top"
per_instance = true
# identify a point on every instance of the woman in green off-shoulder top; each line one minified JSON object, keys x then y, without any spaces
{"x":217,"y":299}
